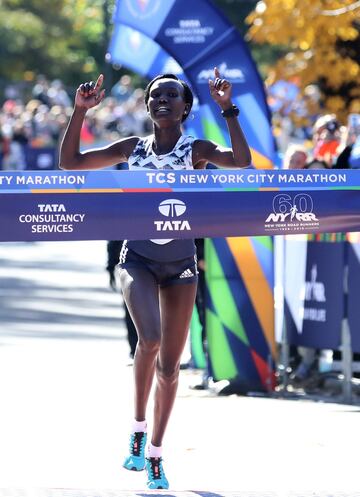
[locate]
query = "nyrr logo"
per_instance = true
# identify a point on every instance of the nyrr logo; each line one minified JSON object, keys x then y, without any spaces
{"x":172,"y":209}
{"x":143,"y":9}
{"x":292,"y":213}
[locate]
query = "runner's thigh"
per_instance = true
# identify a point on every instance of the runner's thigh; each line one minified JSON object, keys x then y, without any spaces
{"x":141,"y":295}
{"x":177,"y":304}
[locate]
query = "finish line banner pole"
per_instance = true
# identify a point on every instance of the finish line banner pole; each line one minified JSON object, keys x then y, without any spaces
{"x":110,"y":205}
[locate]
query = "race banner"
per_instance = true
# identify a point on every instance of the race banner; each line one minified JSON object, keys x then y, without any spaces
{"x":314,"y":303}
{"x":352,"y":259}
{"x":106,"y":205}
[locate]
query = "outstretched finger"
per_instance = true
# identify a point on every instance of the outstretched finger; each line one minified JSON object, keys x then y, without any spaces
{"x":100,"y":97}
{"x":216,"y":72}
{"x":99,"y":82}
{"x":212,"y":87}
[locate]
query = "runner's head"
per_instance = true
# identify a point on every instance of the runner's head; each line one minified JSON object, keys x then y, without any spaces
{"x":187,"y":93}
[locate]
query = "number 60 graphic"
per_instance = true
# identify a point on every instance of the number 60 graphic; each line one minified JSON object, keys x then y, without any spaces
{"x":283,"y":203}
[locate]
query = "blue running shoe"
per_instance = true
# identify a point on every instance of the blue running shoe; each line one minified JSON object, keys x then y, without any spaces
{"x":155,"y":473}
{"x":136,"y":460}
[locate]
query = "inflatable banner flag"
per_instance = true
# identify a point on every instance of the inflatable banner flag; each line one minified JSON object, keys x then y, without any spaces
{"x":199,"y":40}
{"x":141,"y":54}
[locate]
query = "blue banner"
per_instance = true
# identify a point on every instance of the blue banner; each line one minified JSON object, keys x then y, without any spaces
{"x":143,"y":55}
{"x":199,"y":39}
{"x":315,"y":312}
{"x":353,"y":308}
{"x":104,"y":205}
{"x":140,"y":53}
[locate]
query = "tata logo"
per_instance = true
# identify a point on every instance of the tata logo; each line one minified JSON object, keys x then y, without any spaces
{"x":142,"y":9}
{"x":51,"y":207}
{"x":172,"y":208}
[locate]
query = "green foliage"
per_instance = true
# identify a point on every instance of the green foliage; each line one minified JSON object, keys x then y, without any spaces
{"x":58,"y":38}
{"x":265,"y":55}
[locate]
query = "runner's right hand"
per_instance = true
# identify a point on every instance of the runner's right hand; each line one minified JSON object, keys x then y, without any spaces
{"x":89,"y":94}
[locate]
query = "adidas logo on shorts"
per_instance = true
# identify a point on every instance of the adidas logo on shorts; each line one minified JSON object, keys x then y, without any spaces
{"x":186,"y":274}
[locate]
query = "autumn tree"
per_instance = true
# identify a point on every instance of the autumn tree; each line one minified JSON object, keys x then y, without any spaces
{"x":323,"y":46}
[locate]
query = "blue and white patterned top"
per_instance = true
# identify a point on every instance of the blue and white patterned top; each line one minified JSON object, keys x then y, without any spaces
{"x":180,"y":157}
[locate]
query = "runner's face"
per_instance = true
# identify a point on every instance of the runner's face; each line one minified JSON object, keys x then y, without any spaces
{"x":166,"y":101}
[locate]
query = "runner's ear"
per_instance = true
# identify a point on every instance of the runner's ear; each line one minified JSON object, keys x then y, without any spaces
{"x":187,"y":110}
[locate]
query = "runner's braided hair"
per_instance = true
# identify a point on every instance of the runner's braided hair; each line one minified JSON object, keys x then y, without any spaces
{"x":188,"y":95}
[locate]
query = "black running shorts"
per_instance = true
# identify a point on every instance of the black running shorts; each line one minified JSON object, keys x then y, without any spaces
{"x":165,"y":273}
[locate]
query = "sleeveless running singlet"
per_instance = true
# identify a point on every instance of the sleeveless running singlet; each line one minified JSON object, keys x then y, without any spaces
{"x":180,"y":157}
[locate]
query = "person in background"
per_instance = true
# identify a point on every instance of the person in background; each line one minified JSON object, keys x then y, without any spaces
{"x":295,"y":157}
{"x":200,"y":302}
{"x":326,"y":139}
{"x":123,"y":89}
{"x":313,"y":360}
{"x":349,"y":157}
{"x":316,"y":164}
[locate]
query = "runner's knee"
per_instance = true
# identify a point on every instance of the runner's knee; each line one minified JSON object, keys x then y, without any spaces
{"x":149,"y":346}
{"x":167,"y":371}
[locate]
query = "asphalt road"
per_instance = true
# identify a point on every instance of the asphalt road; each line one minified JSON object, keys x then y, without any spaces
{"x":66,"y":397}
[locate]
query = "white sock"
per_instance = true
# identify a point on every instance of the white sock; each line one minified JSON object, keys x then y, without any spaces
{"x":139,"y":426}
{"x":154,"y":451}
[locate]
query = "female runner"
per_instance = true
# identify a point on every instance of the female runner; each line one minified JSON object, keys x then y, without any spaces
{"x":158,"y":277}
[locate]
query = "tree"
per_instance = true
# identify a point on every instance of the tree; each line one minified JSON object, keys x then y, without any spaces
{"x":323,"y":39}
{"x":58,"y":38}
{"x":265,"y":54}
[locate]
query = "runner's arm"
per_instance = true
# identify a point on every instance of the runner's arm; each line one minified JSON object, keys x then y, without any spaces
{"x":89,"y":95}
{"x":205,"y":151}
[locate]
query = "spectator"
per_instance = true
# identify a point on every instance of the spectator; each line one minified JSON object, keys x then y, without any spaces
{"x":327,"y":139}
{"x":311,"y":361}
{"x":316,"y":164}
{"x":123,"y":89}
{"x":12,"y":155}
{"x":349,"y":157}
{"x":295,"y":157}
{"x":40,"y":90}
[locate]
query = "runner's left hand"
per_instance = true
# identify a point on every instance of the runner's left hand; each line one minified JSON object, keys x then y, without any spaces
{"x":220,"y":90}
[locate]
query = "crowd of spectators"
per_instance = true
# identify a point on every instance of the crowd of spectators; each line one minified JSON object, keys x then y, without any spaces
{"x":38,"y":122}
{"x":304,"y":132}
{"x":332,"y":146}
